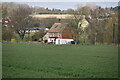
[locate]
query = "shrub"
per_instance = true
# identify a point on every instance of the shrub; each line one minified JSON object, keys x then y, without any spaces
{"x":45,"y":41}
{"x":38,"y":35}
{"x":7,"y":33}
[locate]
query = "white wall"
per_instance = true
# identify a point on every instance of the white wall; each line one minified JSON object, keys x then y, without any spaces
{"x":60,"y":41}
{"x":51,"y":40}
{"x":63,"y":41}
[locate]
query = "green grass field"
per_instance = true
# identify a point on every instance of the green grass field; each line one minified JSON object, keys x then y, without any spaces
{"x":59,"y":61}
{"x":0,"y":60}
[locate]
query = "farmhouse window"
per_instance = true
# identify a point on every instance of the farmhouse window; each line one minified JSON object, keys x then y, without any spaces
{"x":50,"y":34}
{"x":54,"y":34}
{"x":59,"y":34}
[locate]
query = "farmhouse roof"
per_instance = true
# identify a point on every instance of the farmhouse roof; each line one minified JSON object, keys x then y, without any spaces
{"x":58,"y":27}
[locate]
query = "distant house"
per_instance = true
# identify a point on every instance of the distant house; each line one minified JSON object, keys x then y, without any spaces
{"x":60,"y":33}
{"x":33,"y":30}
{"x":6,"y":22}
{"x":83,"y":24}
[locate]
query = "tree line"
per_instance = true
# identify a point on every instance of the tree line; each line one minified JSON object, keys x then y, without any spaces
{"x":102,"y":28}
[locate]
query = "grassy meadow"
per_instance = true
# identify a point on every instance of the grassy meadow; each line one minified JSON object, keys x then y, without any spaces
{"x":0,"y":60}
{"x":59,"y":61}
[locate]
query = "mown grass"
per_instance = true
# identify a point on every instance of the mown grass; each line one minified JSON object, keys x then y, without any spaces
{"x":0,"y":60}
{"x":59,"y":61}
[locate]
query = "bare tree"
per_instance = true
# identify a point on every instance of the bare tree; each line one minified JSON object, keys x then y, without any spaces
{"x":79,"y":14}
{"x":20,"y":19}
{"x":4,"y":11}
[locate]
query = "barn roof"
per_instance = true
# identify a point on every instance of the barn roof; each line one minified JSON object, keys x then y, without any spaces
{"x":58,"y":27}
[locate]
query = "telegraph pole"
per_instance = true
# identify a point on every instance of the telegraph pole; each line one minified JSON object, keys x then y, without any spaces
{"x":113,"y":33}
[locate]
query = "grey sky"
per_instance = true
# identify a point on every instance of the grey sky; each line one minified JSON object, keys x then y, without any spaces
{"x":65,"y":4}
{"x":60,"y":0}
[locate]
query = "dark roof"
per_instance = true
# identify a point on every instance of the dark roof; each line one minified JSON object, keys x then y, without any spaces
{"x":35,"y":28}
{"x":58,"y":27}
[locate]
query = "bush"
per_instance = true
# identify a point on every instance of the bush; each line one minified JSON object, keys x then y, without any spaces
{"x":45,"y":41}
{"x":38,"y":35}
{"x":7,"y":34}
{"x":17,"y":37}
{"x":13,"y":40}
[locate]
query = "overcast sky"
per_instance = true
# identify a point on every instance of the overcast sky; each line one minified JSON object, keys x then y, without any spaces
{"x":61,"y":4}
{"x":60,"y":0}
{"x":68,"y":5}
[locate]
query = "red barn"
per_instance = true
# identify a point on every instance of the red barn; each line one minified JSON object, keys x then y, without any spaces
{"x":60,"y":33}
